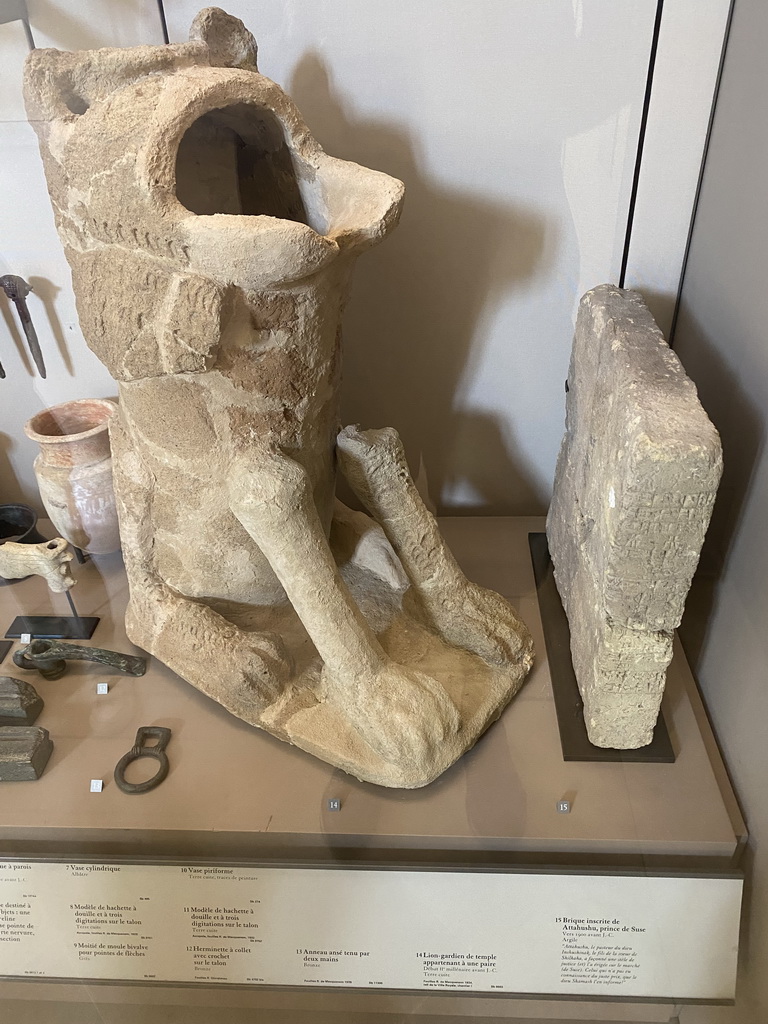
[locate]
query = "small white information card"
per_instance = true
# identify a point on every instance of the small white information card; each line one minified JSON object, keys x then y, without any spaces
{"x":517,"y":932}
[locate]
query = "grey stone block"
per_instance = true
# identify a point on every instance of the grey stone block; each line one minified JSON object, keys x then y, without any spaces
{"x":24,"y":752}
{"x":635,"y":484}
{"x":20,"y":703}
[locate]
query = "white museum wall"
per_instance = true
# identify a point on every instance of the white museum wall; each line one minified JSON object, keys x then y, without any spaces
{"x":722,"y":340}
{"x":513,"y":124}
{"x":685,"y":72}
{"x":514,"y":134}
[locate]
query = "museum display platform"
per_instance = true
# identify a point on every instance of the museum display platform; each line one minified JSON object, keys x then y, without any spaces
{"x":235,"y":794}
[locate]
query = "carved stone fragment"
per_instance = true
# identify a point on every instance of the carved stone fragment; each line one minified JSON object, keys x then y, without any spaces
{"x":20,"y":703}
{"x":212,"y":243}
{"x":49,"y":559}
{"x":635,"y":484}
{"x":24,"y":752}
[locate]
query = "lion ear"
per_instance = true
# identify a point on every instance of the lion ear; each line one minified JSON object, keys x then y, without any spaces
{"x":62,"y":85}
{"x":229,"y":42}
{"x":55,"y":86}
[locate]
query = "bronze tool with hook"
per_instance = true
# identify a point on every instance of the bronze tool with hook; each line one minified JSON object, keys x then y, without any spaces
{"x":17,"y":289}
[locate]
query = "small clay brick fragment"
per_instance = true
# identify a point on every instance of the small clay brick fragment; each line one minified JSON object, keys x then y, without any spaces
{"x":20,"y":703}
{"x":24,"y":752}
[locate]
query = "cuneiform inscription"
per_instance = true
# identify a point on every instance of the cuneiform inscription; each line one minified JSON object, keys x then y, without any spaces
{"x":644,"y":478}
{"x":116,"y":233}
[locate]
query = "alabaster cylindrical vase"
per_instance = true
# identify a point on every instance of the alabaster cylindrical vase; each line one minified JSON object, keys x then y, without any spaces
{"x":74,"y":472}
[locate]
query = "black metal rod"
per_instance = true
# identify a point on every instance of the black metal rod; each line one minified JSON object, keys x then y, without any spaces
{"x":163,"y":23}
{"x":72,"y":606}
{"x":641,"y":141}
{"x":28,"y":34}
{"x":700,"y":180}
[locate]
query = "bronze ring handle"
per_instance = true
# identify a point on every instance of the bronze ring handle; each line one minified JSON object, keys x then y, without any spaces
{"x":141,"y":749}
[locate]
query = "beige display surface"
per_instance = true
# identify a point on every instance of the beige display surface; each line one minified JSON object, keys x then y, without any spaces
{"x":234,"y":791}
{"x":587,"y":935}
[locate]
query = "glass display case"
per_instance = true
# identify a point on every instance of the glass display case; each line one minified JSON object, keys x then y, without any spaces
{"x":261,"y":750}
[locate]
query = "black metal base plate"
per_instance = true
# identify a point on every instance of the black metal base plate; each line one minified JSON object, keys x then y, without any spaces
{"x":568,"y":703}
{"x":5,"y":646}
{"x":53,"y":627}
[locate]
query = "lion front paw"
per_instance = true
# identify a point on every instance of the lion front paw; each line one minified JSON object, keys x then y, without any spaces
{"x":403,"y":714}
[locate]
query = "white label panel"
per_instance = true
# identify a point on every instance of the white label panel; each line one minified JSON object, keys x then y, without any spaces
{"x":594,"y":935}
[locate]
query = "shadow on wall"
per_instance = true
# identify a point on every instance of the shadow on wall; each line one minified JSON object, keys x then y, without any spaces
{"x":412,"y":332}
{"x":742,"y":431}
{"x":662,"y":307}
{"x":47,"y":291}
{"x":10,"y":490}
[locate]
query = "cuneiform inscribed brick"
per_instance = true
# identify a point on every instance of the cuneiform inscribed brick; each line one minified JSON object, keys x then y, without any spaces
{"x":635,"y":484}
